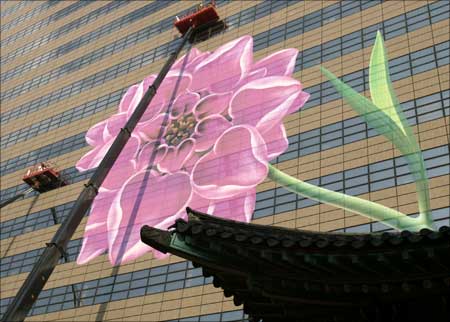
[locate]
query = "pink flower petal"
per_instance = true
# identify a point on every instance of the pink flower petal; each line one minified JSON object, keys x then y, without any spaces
{"x":113,"y":126}
{"x":201,"y":204}
{"x":161,"y":201}
{"x":176,"y":157}
{"x":196,"y":61}
{"x":159,"y":255}
{"x":127,"y":99}
{"x":223,"y":69}
{"x":239,"y":108}
{"x":239,"y":207}
{"x":276,"y":141}
{"x":150,"y":130}
{"x":191,"y":161}
{"x":138,"y":94}
{"x":299,"y":102}
{"x":174,"y":81}
{"x":140,"y":248}
{"x":195,"y":58}
{"x":95,"y":239}
{"x":152,"y":111}
{"x":253,"y":75}
{"x":124,"y":167}
{"x":193,"y":53}
{"x":93,"y":158}
{"x":212,"y":105}
{"x":238,"y":162}
{"x":208,"y":131}
{"x":146,"y":155}
{"x":281,"y":63}
{"x":264,"y":102}
{"x":184,"y":104}
{"x":275,"y":117}
{"x":94,"y":136}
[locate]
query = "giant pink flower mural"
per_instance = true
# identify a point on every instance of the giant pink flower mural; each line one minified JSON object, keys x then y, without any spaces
{"x":209,"y":153}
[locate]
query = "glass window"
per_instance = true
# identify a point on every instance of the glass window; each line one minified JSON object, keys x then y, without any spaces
{"x":177,"y":266}
{"x":358,"y":229}
{"x":210,"y":318}
{"x":191,"y":282}
{"x":176,"y":276}
{"x":359,"y":190}
{"x":388,"y":183}
{"x":119,"y":296}
{"x":155,"y":289}
{"x":137,"y":292}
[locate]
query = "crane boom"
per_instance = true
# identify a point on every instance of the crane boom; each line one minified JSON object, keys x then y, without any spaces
{"x":35,"y":281}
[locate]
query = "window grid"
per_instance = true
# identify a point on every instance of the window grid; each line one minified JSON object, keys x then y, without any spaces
{"x":401,"y":67}
{"x":23,"y":262}
{"x":12,"y":9}
{"x":310,"y":22}
{"x":126,"y":42}
{"x":90,"y":108}
{"x":137,"y":62}
{"x":364,"y":38}
{"x":372,"y":177}
{"x":40,"y":24}
{"x":143,"y":282}
{"x":35,"y":11}
{"x":119,"y":69}
{"x":305,"y":138}
{"x":115,"y":47}
{"x":85,"y":39}
{"x":379,"y":175}
{"x":320,"y":94}
{"x":237,"y":316}
{"x":30,"y":158}
{"x":440,"y":218}
{"x":121,"y":286}
{"x":34,"y":221}
{"x":417,"y":111}
{"x":72,"y":175}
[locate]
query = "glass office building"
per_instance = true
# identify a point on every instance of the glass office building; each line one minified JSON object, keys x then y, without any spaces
{"x":66,"y":64}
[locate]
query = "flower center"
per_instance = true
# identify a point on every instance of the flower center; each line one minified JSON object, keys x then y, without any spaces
{"x":180,"y":129}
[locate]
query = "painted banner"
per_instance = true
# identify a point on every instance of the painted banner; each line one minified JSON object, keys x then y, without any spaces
{"x":207,"y":138}
{"x":205,"y":142}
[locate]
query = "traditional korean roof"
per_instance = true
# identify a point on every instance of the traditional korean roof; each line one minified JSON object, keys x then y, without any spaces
{"x":282,"y":274}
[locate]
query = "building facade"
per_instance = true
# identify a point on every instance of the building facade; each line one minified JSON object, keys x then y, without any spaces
{"x":66,"y":64}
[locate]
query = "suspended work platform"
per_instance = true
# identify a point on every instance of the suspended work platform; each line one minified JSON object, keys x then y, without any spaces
{"x":194,"y":27}
{"x":204,"y":16}
{"x":44,"y":177}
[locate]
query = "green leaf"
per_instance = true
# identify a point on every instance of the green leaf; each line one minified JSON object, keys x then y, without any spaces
{"x":385,"y":115}
{"x":367,"y":208}
{"x":371,"y":114}
{"x":381,"y":90}
{"x":383,"y":96}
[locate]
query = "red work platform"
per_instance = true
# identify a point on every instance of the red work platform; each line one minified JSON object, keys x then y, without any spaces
{"x":44,"y":177}
{"x":204,"y":15}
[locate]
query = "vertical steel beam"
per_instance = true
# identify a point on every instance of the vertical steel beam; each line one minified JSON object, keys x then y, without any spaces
{"x":33,"y":285}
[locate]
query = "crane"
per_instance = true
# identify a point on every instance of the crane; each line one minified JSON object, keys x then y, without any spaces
{"x":203,"y":18}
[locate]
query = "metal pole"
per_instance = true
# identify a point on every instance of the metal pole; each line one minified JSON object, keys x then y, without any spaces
{"x":33,"y":285}
{"x":20,"y":195}
{"x":55,"y":218}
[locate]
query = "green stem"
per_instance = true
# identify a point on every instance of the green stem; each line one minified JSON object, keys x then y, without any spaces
{"x":360,"y":206}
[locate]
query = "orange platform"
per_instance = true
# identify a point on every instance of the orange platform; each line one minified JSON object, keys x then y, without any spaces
{"x":204,"y":16}
{"x":43,"y":178}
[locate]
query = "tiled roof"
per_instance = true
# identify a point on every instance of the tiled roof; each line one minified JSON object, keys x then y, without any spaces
{"x":282,"y":274}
